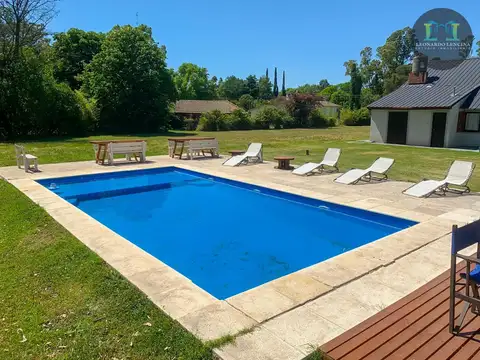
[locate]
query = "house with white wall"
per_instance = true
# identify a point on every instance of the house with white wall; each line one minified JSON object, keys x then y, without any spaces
{"x":439,"y":106}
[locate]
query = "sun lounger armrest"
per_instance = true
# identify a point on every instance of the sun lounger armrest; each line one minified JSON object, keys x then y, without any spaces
{"x":469,"y":258}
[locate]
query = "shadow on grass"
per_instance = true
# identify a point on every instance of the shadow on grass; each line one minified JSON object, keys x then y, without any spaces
{"x":86,"y":138}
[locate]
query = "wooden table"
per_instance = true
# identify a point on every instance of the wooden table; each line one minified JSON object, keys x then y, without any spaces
{"x":236,"y":152}
{"x":284,"y":162}
{"x":182,"y":141}
{"x":103,"y":144}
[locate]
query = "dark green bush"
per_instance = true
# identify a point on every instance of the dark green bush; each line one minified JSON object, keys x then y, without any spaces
{"x":271,"y":117}
{"x":239,"y":120}
{"x":355,"y":118}
{"x":317,"y":119}
{"x":246,"y":101}
{"x":212,"y":121}
{"x":190,"y":124}
{"x":176,"y":122}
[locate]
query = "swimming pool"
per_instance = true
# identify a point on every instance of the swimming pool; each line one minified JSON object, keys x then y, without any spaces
{"x":225,"y":236}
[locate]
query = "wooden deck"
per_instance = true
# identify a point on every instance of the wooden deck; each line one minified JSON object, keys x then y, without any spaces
{"x":415,"y":327}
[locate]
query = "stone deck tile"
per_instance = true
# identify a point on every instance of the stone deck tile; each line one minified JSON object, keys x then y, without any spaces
{"x":261,"y":303}
{"x":216,"y":320}
{"x":299,"y":287}
{"x":182,"y":300}
{"x":303,"y":329}
{"x":341,"y":309}
{"x":260,"y":344}
{"x":371,"y":293}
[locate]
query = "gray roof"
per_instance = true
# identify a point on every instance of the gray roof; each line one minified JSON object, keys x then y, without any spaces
{"x":473,"y":101}
{"x":444,"y":88}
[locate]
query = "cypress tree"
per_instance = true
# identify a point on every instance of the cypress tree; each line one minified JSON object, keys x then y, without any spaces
{"x":266,"y":74}
{"x":275,"y":85}
{"x":284,"y":92}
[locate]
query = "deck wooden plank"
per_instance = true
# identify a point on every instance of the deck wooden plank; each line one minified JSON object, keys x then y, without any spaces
{"x":385,"y":342}
{"x":420,"y":339}
{"x":354,"y":338}
{"x":350,"y":340}
{"x":416,"y":327}
{"x":459,"y":342}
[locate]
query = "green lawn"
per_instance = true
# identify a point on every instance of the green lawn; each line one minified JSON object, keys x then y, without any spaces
{"x":68,"y":303}
{"x":412,"y":164}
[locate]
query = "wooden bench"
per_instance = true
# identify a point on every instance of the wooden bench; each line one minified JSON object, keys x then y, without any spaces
{"x":137,"y":149}
{"x":195,"y":147}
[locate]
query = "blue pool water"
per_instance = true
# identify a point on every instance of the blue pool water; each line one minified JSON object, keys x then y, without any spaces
{"x":226,"y":236}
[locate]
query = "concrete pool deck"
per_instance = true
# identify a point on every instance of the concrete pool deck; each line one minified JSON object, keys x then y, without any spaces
{"x":292,"y":315}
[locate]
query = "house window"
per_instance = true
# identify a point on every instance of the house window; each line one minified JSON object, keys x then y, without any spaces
{"x":472,"y":122}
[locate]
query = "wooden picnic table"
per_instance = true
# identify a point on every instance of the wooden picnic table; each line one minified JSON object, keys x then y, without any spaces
{"x":284,"y":162}
{"x":103,"y":144}
{"x":182,"y":141}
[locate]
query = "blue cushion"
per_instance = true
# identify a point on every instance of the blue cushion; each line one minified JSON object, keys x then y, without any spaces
{"x":475,"y":274}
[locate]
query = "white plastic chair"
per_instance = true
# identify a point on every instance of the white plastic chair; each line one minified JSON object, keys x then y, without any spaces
{"x":330,"y":159}
{"x":254,"y":153}
{"x":377,"y":171}
{"x":26,"y":160}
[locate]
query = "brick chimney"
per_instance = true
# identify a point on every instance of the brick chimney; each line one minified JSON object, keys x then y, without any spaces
{"x":415,"y":79}
{"x":419,"y":74}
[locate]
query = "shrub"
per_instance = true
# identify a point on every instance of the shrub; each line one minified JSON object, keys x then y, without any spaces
{"x":317,"y":119}
{"x":239,"y":120}
{"x":212,"y":121}
{"x":332,"y":121}
{"x":300,"y":106}
{"x":176,"y":122}
{"x":190,"y":124}
{"x":362,"y":116}
{"x":271,"y":117}
{"x":247,"y":102}
{"x":346,"y":117}
{"x":355,"y":118}
{"x":89,"y":111}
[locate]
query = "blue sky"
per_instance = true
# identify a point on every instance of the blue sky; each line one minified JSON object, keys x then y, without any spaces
{"x":309,"y":39}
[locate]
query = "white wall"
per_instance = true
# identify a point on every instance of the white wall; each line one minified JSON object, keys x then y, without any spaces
{"x":419,"y":128}
{"x":459,"y":139}
{"x":378,"y":125}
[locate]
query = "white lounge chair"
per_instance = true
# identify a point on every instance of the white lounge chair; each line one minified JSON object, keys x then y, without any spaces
{"x":330,"y":159}
{"x":378,"y":171}
{"x":458,"y":175}
{"x":254,"y":154}
{"x":26,"y":160}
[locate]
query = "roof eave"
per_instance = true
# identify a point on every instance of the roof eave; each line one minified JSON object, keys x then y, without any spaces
{"x":409,"y":108}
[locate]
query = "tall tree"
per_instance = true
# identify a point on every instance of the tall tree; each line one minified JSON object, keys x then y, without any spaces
{"x":130,"y":82}
{"x":72,"y":51}
{"x":397,"y":52}
{"x":252,"y":85}
{"x":284,"y":92}
{"x":23,"y":23}
{"x":323,"y":84}
{"x":275,"y":84}
{"x":266,"y":74}
{"x":192,"y":83}
{"x":265,"y":88}
{"x":232,"y":88}
{"x":355,"y":86}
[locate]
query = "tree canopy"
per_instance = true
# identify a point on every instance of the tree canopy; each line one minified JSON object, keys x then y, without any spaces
{"x":130,"y":82}
{"x":72,"y":51}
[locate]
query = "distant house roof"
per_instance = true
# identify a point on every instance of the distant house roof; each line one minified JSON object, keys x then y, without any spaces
{"x":445,"y":87}
{"x":203,"y":106}
{"x":325,"y":103}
